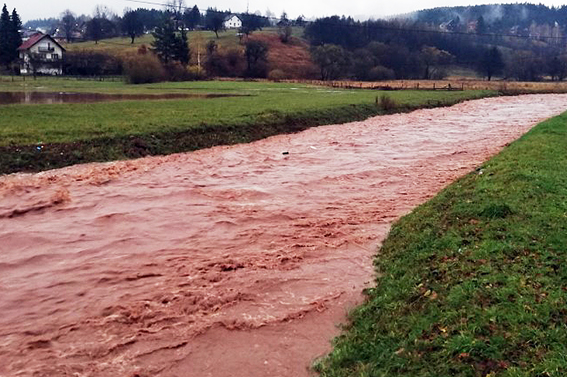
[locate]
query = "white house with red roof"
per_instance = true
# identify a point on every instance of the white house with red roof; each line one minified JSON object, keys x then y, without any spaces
{"x":41,"y":54}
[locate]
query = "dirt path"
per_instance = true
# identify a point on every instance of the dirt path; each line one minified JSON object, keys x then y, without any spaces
{"x":231,"y":261}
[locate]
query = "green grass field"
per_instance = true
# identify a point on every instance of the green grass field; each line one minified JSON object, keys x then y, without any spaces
{"x":474,"y":282}
{"x":76,"y":133}
{"x":265,"y":103}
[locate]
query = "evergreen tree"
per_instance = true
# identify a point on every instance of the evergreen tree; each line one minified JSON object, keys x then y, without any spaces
{"x":6,"y":55}
{"x":164,"y":40}
{"x":481,"y":27}
{"x":182,"y":48}
{"x":15,"y":37}
{"x":170,"y":45}
{"x":192,"y":18}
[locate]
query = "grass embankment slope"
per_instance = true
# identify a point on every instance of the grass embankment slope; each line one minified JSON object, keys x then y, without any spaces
{"x":473,"y":283}
{"x":75,"y":133}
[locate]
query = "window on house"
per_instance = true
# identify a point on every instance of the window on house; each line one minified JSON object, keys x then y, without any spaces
{"x":55,"y":56}
{"x":43,"y":56}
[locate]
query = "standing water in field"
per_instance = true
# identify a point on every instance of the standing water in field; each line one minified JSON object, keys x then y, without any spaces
{"x":52,"y":98}
{"x":240,"y":258}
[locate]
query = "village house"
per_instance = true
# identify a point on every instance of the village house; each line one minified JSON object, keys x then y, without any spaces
{"x":41,"y":54}
{"x":76,"y":36}
{"x":233,"y":22}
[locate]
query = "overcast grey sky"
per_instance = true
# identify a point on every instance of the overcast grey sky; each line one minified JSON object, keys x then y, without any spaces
{"x":31,"y":9}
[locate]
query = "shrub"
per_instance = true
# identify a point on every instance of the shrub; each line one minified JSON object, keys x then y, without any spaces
{"x":196,"y":73}
{"x":235,"y":63}
{"x":143,"y":69}
{"x":386,"y":103}
{"x":277,"y":75}
{"x":380,"y":73}
{"x":92,"y":63}
{"x":175,"y":71}
{"x":229,"y":63}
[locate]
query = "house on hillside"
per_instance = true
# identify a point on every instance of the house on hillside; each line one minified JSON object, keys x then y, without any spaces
{"x":233,"y":22}
{"x":41,"y":54}
{"x":452,"y":25}
{"x":61,"y":37}
{"x":27,"y":34}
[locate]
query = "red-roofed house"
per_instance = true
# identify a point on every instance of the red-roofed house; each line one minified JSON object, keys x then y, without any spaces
{"x":41,"y":54}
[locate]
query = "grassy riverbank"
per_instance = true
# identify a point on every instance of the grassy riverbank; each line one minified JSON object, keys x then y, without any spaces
{"x":39,"y":137}
{"x":474,"y":282}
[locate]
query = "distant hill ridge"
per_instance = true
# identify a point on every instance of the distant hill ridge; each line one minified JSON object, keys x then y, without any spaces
{"x":495,"y":18}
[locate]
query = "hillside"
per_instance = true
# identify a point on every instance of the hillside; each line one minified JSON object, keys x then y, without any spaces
{"x":514,"y":19}
{"x":292,"y":58}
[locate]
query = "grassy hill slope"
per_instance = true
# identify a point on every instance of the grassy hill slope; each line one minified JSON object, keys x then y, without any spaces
{"x":292,"y":58}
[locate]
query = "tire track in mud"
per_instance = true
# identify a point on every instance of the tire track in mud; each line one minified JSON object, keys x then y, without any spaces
{"x":237,"y":258}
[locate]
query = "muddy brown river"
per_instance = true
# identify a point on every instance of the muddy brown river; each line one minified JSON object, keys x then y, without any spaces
{"x":230,"y":261}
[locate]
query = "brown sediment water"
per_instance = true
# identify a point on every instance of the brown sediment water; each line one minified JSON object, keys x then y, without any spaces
{"x":230,"y":261}
{"x":48,"y":98}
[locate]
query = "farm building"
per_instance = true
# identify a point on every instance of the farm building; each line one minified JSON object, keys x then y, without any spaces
{"x":41,"y":54}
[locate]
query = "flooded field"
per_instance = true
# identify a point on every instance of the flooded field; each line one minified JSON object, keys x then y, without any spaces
{"x":11,"y":98}
{"x":240,"y":258}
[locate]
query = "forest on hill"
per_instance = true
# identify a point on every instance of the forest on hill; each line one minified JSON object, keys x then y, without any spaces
{"x":515,"y":19}
{"x":513,"y":41}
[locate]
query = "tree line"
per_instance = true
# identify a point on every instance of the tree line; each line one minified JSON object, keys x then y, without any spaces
{"x":135,"y":22}
{"x":344,"y":48}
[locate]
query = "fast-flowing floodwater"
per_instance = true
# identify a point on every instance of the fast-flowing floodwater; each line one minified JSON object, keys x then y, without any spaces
{"x":48,"y":98}
{"x":230,"y":261}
